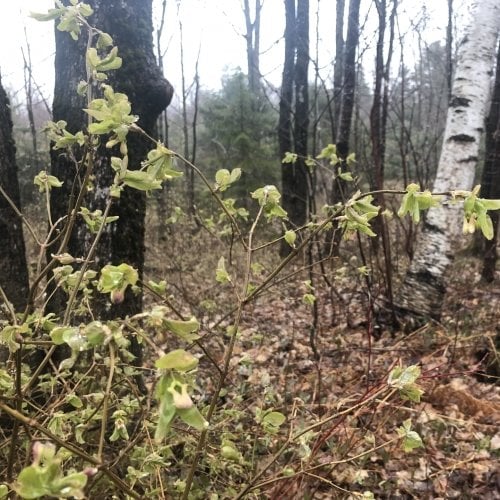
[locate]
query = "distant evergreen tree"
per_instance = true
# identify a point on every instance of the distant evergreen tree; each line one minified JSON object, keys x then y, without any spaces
{"x":239,"y":130}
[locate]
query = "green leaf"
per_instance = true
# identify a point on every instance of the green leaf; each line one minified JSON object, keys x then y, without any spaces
{"x":160,"y":287}
{"x":11,"y":333}
{"x":164,"y":421}
{"x":272,"y":421}
{"x":486,"y":225}
{"x":159,"y":164}
{"x":274,"y":418}
{"x":426,"y":200}
{"x":400,"y":377}
{"x":120,"y":431}
{"x":346,"y":176}
{"x":94,"y":220}
{"x":92,"y":57}
{"x":116,"y":279}
{"x":104,"y":40}
{"x":221,"y":275}
{"x":46,"y":182}
{"x":30,"y":483}
{"x":111,"y":61}
{"x":289,"y":158}
{"x":74,"y":401}
{"x":179,"y":360}
{"x":100,"y":128}
{"x":82,"y":87}
{"x":309,"y":299}
{"x":412,"y":392}
{"x":229,"y":451}
{"x":329,"y":152}
{"x":290,"y":237}
{"x":74,"y":338}
{"x":4,"y":490}
{"x":224,"y":178}
{"x":351,"y":159}
{"x":57,"y":334}
{"x":49,"y":16}
{"x":96,"y":333}
{"x":193,"y":417}
{"x":86,"y":10}
{"x":235,"y":175}
{"x":140,"y":180}
{"x":167,"y":409}
{"x":490,"y":204}
{"x":404,"y":379}
{"x":269,"y":198}
{"x":411,"y":439}
{"x":186,"y":330}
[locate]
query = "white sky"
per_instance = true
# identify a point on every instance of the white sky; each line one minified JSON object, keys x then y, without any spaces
{"x":215,"y":28}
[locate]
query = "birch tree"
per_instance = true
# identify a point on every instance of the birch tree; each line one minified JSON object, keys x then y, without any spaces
{"x":424,"y":286}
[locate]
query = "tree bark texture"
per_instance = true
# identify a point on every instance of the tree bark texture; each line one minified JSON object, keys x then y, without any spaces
{"x":129,"y":22}
{"x":349,"y":74}
{"x":338,"y":66}
{"x":13,"y":267}
{"x":286,"y":97}
{"x":294,"y":110}
{"x":490,"y":180}
{"x":424,"y":287}
{"x":345,"y":102}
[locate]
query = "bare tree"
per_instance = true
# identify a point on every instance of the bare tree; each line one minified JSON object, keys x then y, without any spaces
{"x":252,"y":38}
{"x":424,"y":286}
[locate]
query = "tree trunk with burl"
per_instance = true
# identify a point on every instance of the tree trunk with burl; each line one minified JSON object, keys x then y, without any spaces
{"x":129,"y":22}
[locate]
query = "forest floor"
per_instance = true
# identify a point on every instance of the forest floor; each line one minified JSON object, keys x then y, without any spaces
{"x":355,"y":453}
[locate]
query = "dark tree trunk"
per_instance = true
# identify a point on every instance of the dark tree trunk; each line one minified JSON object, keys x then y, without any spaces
{"x":378,"y":125}
{"x":294,"y":177}
{"x":13,"y":267}
{"x":129,"y":22}
{"x":286,"y":97}
{"x":301,"y":126}
{"x":346,"y":102}
{"x":490,"y":181}
{"x":349,"y":74}
{"x":377,"y":138}
{"x":286,"y":100}
{"x":338,"y":67}
{"x":344,"y":106}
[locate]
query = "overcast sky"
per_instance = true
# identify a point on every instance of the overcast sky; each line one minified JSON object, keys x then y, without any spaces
{"x":213,"y":27}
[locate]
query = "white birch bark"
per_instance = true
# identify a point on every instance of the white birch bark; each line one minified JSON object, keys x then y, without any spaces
{"x":424,"y":286}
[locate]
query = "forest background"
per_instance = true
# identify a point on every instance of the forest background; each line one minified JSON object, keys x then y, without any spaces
{"x":335,"y":331}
